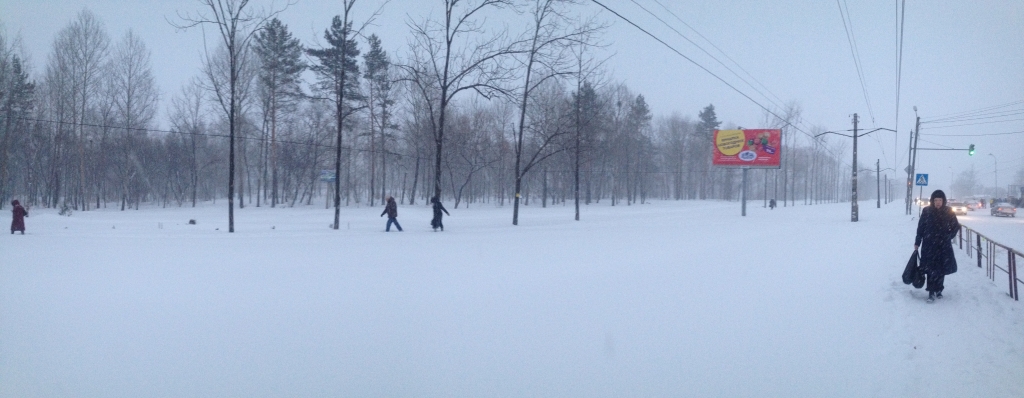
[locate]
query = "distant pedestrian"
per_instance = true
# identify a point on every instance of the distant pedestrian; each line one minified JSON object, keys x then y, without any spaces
{"x":438,"y":208}
{"x":18,"y":222}
{"x":391,"y":209}
{"x":936,"y":228}
{"x":771,"y":204}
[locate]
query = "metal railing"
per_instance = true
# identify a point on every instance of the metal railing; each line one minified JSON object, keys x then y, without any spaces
{"x":990,"y":255}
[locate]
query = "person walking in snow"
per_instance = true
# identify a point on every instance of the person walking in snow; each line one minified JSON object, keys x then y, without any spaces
{"x":936,"y":229}
{"x":18,"y":222}
{"x":438,"y":208}
{"x":391,"y":209}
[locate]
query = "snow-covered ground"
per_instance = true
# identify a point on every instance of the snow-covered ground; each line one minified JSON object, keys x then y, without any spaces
{"x":665,"y":299}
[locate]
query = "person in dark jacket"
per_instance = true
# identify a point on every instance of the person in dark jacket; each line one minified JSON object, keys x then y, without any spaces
{"x":391,"y":209}
{"x":936,"y":229}
{"x":438,"y":208}
{"x":18,"y":222}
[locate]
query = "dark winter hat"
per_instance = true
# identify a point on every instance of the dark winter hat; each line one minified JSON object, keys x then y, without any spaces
{"x":939,"y":194}
{"x":14,"y":202}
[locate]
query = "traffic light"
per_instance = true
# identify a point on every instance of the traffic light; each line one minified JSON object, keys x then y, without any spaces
{"x":970,"y":150}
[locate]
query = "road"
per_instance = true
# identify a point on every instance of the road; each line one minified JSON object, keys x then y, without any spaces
{"x":1008,"y":231}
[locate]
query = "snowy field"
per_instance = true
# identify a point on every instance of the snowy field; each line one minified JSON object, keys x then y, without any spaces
{"x":666,"y":299}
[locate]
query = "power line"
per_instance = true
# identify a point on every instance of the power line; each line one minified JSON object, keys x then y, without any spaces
{"x":778,"y":104}
{"x":150,"y":130}
{"x":936,"y":143}
{"x":856,"y":56}
{"x":973,"y":135}
{"x":979,"y":116}
{"x":309,"y":144}
{"x":974,"y":124}
{"x":969,"y":113}
{"x":738,"y":65}
{"x":673,"y":49}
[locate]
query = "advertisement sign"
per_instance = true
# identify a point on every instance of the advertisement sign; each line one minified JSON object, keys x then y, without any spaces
{"x":748,"y":148}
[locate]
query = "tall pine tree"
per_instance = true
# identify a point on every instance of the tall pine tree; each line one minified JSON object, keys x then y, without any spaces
{"x":705,"y":131}
{"x":280,"y":73}
{"x":379,"y":102}
{"x":17,"y":100}
{"x":338,"y":73}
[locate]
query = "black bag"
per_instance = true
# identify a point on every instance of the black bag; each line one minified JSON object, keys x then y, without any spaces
{"x":913,"y":274}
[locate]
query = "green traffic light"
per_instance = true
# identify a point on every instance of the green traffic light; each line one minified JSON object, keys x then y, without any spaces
{"x":970,"y":150}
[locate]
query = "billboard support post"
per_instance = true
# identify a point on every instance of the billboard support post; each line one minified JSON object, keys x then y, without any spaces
{"x":747,"y":149}
{"x":743,"y":191}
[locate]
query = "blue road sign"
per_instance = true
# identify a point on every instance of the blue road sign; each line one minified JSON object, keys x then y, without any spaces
{"x":921,"y":180}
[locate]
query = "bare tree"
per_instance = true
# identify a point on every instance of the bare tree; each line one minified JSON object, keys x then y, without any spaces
{"x":135,"y":98}
{"x":79,"y":55}
{"x":546,"y":55}
{"x":441,"y":66}
{"x":188,"y":119}
{"x":237,"y":25}
{"x":472,"y":135}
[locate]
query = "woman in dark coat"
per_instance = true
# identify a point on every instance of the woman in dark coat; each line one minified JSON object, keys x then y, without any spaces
{"x":438,"y":208}
{"x":935,"y":230}
{"x":18,"y":223}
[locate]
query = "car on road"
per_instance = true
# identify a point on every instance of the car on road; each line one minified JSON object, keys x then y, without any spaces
{"x":1004,"y":209}
{"x":959,"y":209}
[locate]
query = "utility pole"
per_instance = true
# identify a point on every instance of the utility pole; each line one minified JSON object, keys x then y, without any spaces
{"x":854,"y":216}
{"x":913,"y":161}
{"x":996,"y":193}
{"x":878,"y":185}
{"x":909,"y":172}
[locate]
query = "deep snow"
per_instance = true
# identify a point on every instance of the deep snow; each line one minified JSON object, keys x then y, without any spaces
{"x":663,"y":299}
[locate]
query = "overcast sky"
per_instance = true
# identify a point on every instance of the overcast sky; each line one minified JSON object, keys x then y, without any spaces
{"x":957,"y":56}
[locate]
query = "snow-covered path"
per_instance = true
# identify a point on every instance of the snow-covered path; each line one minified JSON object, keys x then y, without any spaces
{"x":663,"y":299}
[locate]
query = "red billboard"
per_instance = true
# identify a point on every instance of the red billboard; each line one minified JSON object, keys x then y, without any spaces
{"x":748,"y":148}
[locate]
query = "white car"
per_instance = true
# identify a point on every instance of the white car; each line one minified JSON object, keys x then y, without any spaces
{"x":959,"y":209}
{"x":1004,"y":209}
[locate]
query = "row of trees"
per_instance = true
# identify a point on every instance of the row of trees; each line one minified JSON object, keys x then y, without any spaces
{"x":485,"y":116}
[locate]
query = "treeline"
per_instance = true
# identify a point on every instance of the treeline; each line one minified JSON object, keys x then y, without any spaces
{"x":506,"y":120}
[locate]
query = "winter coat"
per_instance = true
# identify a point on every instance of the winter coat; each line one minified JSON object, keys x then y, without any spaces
{"x":936,"y":229}
{"x":438,"y":208}
{"x":18,"y":223}
{"x":391,"y":209}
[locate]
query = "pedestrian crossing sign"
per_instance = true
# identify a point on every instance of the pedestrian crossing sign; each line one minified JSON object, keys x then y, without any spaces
{"x":921,"y":180}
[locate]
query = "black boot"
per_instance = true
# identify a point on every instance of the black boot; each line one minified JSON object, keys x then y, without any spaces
{"x":938,"y":295}
{"x":931,"y":297}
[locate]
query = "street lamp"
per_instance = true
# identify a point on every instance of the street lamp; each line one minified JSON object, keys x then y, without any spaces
{"x":997,"y":172}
